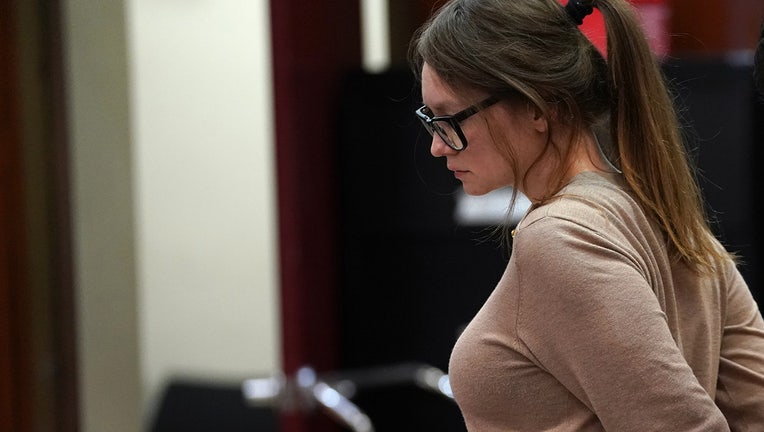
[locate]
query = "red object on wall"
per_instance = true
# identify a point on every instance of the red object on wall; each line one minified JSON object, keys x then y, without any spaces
{"x":655,"y":16}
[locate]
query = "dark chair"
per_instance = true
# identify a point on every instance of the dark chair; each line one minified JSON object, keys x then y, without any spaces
{"x":192,"y":406}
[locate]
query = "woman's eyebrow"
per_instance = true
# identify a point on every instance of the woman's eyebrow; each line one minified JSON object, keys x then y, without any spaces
{"x":438,"y":107}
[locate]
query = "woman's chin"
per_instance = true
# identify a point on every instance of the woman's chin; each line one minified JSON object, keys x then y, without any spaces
{"x":473,"y":190}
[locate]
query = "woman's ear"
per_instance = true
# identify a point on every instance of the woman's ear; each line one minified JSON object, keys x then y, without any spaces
{"x":540,"y":123}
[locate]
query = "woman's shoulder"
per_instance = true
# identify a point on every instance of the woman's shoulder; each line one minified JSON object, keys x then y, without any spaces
{"x":593,"y":200}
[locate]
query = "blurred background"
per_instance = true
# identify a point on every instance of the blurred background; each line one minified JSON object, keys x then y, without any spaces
{"x":196,"y":193}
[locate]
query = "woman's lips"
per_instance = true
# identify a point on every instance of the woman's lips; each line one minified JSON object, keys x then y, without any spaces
{"x":459,"y":173}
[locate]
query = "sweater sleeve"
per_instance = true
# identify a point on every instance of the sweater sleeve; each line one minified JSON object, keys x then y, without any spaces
{"x":590,"y":319}
{"x":740,"y":387}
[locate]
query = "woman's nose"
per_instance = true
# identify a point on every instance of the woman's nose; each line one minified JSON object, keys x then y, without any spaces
{"x":439,"y":148}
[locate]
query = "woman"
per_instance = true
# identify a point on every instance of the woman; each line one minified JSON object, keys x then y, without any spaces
{"x":618,"y":309}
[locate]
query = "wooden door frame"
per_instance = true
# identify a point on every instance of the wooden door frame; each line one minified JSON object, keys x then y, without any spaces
{"x":15,"y":379}
{"x":38,"y":365}
{"x":313,"y":44}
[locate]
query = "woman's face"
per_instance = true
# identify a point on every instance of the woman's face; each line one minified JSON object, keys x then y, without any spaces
{"x":480,"y":166}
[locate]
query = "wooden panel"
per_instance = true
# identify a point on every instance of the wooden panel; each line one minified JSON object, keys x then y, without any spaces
{"x":314,"y":45}
{"x":715,"y":28}
{"x":38,"y":374}
{"x":15,"y":384}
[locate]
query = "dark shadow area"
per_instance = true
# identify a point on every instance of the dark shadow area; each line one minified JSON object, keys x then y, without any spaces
{"x":195,"y":406}
{"x":723,"y":124}
{"x":410,"y":277}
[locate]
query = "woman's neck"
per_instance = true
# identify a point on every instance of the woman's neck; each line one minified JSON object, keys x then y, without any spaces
{"x":584,"y":155}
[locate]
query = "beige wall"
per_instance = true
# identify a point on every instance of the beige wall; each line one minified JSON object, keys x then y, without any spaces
{"x":173,"y":198}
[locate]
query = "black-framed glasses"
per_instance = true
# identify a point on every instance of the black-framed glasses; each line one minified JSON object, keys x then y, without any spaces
{"x":447,"y":126}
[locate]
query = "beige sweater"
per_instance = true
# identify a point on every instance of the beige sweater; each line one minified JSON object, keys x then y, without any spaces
{"x":593,"y":328}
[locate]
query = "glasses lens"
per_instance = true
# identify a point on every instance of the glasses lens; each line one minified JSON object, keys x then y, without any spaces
{"x":449,"y":135}
{"x":442,"y":127}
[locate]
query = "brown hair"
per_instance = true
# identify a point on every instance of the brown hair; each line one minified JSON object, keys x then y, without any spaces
{"x":532,"y":47}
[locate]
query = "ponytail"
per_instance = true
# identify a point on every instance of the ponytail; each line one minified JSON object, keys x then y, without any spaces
{"x":650,"y":151}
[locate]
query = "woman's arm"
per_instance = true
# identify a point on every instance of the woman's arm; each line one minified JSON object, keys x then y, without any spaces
{"x":593,"y":321}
